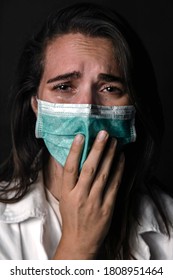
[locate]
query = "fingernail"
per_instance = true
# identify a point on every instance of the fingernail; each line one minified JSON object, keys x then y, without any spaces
{"x":79,"y":139}
{"x":102,"y":135}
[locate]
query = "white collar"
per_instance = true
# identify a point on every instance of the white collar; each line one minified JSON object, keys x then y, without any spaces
{"x":33,"y":204}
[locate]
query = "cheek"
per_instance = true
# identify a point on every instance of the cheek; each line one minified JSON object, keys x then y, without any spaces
{"x":123,"y":101}
{"x":126,"y":100}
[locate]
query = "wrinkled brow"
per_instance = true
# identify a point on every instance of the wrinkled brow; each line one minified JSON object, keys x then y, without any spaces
{"x":66,"y":76}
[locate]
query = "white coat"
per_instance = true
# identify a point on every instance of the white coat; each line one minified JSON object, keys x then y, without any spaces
{"x":30,"y":229}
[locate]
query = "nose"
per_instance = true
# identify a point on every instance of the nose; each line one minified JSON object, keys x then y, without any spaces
{"x":87,"y":96}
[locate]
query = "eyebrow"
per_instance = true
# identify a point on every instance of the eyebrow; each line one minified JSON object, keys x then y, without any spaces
{"x":111,"y":78}
{"x":66,"y":76}
{"x":77,"y":75}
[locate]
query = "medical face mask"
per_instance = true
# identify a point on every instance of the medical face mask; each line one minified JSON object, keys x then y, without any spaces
{"x":58,"y":124}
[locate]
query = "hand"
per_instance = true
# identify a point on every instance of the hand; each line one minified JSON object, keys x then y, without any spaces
{"x":87,"y":202}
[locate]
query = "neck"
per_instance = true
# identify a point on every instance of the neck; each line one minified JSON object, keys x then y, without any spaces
{"x":52,"y":176}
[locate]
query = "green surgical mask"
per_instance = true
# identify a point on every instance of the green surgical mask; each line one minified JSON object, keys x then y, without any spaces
{"x":58,"y":124}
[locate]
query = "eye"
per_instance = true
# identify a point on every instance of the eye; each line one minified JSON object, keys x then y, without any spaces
{"x":62,"y":87}
{"x":113,"y":89}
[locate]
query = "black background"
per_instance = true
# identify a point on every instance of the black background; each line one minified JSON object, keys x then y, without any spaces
{"x":151,"y":19}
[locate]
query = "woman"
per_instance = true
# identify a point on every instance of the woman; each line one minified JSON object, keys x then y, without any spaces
{"x":85,"y":191}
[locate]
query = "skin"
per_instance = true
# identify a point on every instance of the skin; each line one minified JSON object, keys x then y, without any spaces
{"x":83,"y":70}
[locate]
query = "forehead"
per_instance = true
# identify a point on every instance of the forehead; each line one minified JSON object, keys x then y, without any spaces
{"x":79,"y":39}
{"x":72,"y":47}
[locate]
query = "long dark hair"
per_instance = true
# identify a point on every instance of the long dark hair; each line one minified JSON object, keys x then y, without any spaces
{"x":24,"y":163}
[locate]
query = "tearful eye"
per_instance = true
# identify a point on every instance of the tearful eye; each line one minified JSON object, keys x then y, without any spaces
{"x":64,"y":90}
{"x":62,"y":87}
{"x":110,"y":89}
{"x":113,"y":89}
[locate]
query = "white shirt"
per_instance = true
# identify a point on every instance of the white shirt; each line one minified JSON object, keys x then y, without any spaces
{"x":31,"y":228}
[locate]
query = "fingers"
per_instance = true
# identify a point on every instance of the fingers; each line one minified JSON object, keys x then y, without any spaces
{"x":103,"y":173}
{"x":96,"y":169}
{"x":70,"y":174}
{"x":90,"y":166}
{"x":113,"y":184}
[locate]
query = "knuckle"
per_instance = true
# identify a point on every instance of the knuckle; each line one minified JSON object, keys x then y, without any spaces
{"x":117,"y":183}
{"x":106,"y":211}
{"x":102,"y":178}
{"x":89,"y":170}
{"x":69,"y":169}
{"x":92,"y":208}
{"x":79,"y":202}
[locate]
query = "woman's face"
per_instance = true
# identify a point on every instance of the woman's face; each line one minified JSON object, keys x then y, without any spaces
{"x":82,"y":70}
